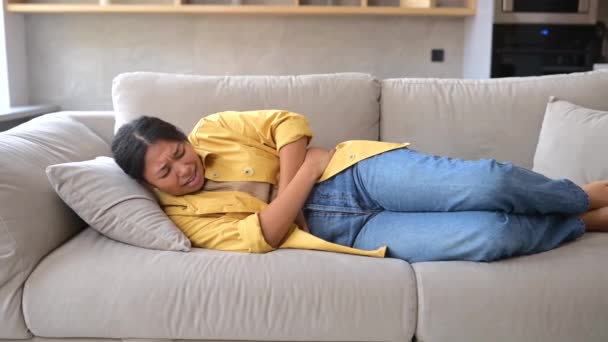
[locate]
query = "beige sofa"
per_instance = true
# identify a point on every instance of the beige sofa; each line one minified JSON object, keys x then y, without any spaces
{"x":62,"y":281}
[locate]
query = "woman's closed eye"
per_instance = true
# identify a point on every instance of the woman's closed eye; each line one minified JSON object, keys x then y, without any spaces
{"x":166,"y":173}
{"x":179,"y":152}
{"x":176,"y":155}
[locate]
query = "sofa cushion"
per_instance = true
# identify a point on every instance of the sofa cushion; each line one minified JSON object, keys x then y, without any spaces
{"x":340,"y":107}
{"x":557,"y":296}
{"x":572,"y":142}
{"x":497,"y":118}
{"x":33,"y":219}
{"x":116,"y":205}
{"x":284,"y":295}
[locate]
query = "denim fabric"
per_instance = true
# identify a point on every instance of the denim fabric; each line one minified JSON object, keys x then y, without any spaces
{"x":429,"y":208}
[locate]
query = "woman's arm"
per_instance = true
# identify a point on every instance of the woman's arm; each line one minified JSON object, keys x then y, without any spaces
{"x":273,"y":128}
{"x":291,"y":157}
{"x":278,"y":217}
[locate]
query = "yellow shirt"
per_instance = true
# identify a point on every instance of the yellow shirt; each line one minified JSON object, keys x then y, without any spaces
{"x":244,"y":146}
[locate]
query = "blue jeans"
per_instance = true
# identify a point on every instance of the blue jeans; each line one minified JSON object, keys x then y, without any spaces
{"x":429,"y":208}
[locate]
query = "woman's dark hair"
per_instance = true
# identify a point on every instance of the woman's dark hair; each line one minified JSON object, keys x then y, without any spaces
{"x":131,"y":142}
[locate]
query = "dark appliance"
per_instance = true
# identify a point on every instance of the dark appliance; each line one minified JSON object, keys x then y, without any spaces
{"x":546,"y":11}
{"x":543,"y":49}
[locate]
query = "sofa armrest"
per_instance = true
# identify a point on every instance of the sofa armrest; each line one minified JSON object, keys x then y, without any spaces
{"x":33,"y":219}
{"x":100,"y":122}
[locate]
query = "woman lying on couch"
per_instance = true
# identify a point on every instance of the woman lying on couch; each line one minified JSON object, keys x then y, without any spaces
{"x":247,"y":181}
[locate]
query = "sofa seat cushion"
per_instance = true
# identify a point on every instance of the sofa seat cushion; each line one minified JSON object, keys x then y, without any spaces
{"x":93,"y":286}
{"x":558,"y":295}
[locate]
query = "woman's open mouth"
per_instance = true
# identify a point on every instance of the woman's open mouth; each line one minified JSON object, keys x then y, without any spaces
{"x":195,"y":180}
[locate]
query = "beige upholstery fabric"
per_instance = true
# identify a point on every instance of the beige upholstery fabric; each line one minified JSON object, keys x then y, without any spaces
{"x":33,"y":219}
{"x":339,"y":106}
{"x":557,"y":296}
{"x":573,"y":143}
{"x":100,"y":122}
{"x":496,"y":118}
{"x":117,"y":290}
{"x":286,"y":295}
{"x":46,"y":339}
{"x":115,"y":205}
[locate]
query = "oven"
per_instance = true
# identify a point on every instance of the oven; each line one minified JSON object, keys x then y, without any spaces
{"x":546,"y":11}
{"x":544,"y":49}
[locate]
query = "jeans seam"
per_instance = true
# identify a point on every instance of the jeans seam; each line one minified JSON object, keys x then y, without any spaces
{"x":576,"y":189}
{"x":369,"y":217}
{"x":334,"y":209}
{"x":582,"y":225}
{"x":364,"y":193}
{"x":588,"y":198}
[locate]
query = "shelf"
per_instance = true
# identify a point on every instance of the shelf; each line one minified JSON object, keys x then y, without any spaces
{"x":276,"y":7}
{"x":23,"y":112}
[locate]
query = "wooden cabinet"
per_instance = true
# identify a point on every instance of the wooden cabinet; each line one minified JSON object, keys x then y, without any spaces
{"x":455,"y":8}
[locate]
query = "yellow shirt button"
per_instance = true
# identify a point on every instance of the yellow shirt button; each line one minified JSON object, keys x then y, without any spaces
{"x":351,"y":157}
{"x":215,"y":174}
{"x":248,"y":171}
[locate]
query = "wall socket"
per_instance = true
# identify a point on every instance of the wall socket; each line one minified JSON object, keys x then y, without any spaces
{"x":437,"y":55}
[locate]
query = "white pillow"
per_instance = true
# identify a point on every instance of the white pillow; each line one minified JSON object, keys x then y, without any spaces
{"x":115,"y":205}
{"x":573,"y":143}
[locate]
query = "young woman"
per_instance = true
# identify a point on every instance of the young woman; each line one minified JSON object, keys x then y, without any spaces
{"x":247,"y":181}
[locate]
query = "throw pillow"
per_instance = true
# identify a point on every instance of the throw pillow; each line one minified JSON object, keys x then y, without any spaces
{"x":572,"y":143}
{"x":115,"y":205}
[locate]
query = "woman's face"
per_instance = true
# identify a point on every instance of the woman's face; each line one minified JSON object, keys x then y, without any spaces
{"x":174,"y":167}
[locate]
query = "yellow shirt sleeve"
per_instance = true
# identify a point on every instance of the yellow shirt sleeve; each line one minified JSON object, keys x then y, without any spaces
{"x":272,"y":127}
{"x":228,"y":232}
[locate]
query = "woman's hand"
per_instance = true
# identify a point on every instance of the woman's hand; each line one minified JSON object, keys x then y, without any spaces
{"x":301,"y":222}
{"x":318,"y":159}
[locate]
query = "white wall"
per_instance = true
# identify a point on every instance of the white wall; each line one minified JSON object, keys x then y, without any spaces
{"x":72,"y":58}
{"x":4,"y":84}
{"x":477,"y":54}
{"x":17,"y":60}
{"x":13,"y":62}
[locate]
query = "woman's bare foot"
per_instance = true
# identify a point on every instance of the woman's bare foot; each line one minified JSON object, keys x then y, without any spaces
{"x":598,"y":194}
{"x":596,"y":220}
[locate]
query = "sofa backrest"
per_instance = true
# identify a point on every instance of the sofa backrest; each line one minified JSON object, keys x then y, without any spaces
{"x":33,"y":219}
{"x":495,"y":118}
{"x":339,"y":106}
